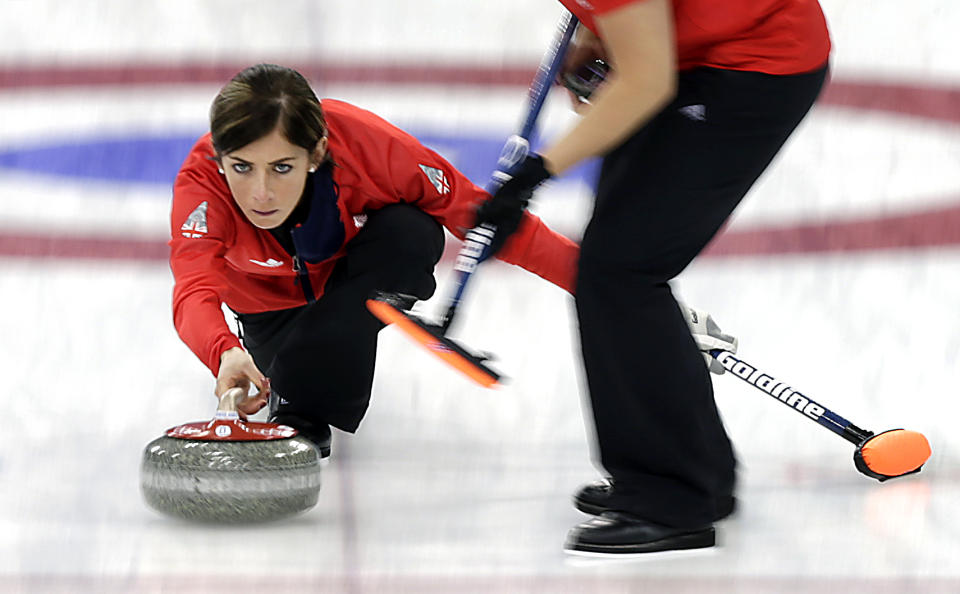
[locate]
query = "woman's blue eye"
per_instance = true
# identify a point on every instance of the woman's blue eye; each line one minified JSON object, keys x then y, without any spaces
{"x":241,"y":167}
{"x":282,"y":167}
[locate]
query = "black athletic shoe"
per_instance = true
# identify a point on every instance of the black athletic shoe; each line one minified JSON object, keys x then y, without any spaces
{"x":618,"y":533}
{"x":593,"y":499}
{"x":318,"y":433}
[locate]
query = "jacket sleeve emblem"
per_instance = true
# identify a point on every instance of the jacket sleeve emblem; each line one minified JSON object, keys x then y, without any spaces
{"x":437,"y":178}
{"x":196,"y":223}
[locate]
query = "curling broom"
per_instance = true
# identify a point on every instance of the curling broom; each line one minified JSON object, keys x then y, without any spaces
{"x":886,"y":455}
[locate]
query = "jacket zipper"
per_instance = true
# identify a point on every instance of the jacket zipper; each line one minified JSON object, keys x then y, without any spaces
{"x":303,"y":279}
{"x":303,"y":275}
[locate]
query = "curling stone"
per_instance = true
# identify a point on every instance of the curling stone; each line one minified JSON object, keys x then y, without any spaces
{"x":230,"y":470}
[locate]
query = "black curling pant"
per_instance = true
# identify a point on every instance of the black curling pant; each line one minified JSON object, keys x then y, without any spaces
{"x":661,"y":197}
{"x":320,"y":357}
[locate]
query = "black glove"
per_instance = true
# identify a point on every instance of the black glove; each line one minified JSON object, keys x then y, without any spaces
{"x":505,"y":209}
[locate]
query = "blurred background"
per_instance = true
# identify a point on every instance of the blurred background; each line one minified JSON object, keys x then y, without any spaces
{"x":839,"y":274}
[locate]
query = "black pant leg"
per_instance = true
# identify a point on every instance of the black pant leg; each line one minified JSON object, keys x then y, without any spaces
{"x":321,"y":357}
{"x":661,"y":197}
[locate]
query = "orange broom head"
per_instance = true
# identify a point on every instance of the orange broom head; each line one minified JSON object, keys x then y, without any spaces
{"x":447,"y":350}
{"x":894,"y":453}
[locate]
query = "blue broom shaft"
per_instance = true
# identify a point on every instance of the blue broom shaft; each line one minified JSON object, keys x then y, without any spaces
{"x":476,"y":248}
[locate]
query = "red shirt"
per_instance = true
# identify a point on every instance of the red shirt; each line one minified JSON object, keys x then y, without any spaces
{"x":217,"y":256}
{"x":771,"y":36}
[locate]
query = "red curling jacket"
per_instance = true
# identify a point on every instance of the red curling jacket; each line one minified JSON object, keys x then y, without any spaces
{"x":771,"y":36}
{"x":217,"y":256}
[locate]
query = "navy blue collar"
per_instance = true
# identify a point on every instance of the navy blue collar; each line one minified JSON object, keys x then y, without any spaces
{"x":318,"y":233}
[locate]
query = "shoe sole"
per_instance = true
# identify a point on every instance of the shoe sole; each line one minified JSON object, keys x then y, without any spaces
{"x":574,"y":558}
{"x":681,"y":542}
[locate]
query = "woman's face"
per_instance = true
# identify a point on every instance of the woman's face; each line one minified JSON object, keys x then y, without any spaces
{"x":267,"y":176}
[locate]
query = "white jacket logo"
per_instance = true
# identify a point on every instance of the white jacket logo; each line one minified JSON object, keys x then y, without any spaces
{"x":437,"y":178}
{"x":697,"y":113}
{"x":196,"y":223}
{"x":270,"y":263}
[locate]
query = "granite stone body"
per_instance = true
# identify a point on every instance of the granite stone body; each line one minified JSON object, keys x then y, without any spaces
{"x":230,"y":481}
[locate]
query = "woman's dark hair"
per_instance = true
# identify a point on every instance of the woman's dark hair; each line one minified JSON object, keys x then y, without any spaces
{"x":260,"y":98}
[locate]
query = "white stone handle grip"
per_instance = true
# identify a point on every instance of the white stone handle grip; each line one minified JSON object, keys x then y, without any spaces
{"x":229,"y":402}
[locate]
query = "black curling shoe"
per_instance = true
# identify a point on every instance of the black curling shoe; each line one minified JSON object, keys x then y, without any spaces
{"x":594,"y":498}
{"x":617,"y":533}
{"x":318,"y":433}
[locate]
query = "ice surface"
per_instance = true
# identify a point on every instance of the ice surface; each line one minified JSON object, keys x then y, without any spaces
{"x":448,"y":487}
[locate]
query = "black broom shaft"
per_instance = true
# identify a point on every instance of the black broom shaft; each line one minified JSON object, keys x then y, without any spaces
{"x":794,"y":399}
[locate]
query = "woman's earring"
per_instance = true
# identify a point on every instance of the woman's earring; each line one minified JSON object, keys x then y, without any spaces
{"x":220,"y":169}
{"x":312,"y":169}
